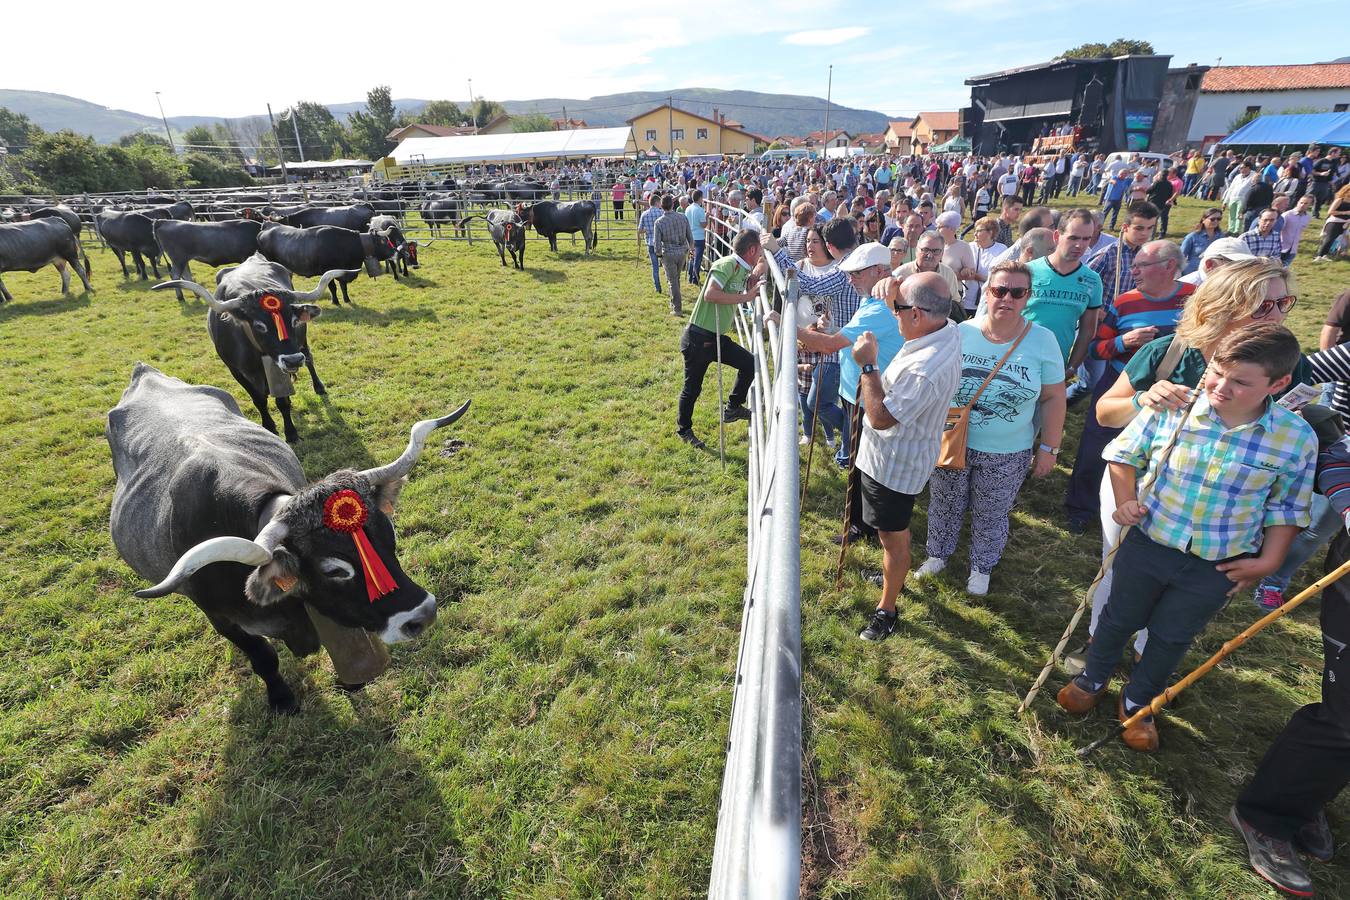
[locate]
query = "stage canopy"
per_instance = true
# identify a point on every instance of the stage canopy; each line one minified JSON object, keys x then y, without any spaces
{"x":313,"y":164}
{"x":957,"y":144}
{"x":473,"y":148}
{"x":1293,"y":131}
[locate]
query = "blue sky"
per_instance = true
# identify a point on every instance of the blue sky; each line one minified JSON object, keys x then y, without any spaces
{"x":897,"y":58}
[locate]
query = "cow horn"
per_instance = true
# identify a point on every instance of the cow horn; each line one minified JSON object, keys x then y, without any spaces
{"x":323,"y":283}
{"x":220,"y":306}
{"x":425,"y":244}
{"x":217,"y":549}
{"x":403,"y":465}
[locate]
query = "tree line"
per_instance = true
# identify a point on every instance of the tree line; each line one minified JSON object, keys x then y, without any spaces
{"x":64,"y":162}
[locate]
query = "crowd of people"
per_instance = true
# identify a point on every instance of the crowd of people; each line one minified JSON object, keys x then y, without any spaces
{"x":946,"y":325}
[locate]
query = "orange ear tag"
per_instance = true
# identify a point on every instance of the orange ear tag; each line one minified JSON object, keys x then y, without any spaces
{"x":284,"y":582}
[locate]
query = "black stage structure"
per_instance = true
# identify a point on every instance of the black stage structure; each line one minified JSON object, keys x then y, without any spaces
{"x":1104,"y":104}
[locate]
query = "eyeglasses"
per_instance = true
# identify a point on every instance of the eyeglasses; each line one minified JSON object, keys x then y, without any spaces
{"x":1002,"y":290}
{"x":901,"y":307}
{"x":930,"y":250}
{"x":1266,"y":307}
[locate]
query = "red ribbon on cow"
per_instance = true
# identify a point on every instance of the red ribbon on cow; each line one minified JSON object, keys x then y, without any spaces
{"x":272,"y":303}
{"x":345,"y":512}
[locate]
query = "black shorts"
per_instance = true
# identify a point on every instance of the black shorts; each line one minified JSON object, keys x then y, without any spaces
{"x":883,"y":508}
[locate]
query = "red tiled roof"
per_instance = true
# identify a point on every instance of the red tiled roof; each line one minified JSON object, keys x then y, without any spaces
{"x":834,"y":133}
{"x":1228,"y":79}
{"x":902,"y":129}
{"x":943,"y":121}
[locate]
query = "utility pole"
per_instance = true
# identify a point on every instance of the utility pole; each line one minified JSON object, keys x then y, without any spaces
{"x":295,"y":124}
{"x":168,"y":134}
{"x":829,"y":87}
{"x":565,"y":125}
{"x":472,"y":117}
{"x":281,"y":154}
{"x":670,"y":127}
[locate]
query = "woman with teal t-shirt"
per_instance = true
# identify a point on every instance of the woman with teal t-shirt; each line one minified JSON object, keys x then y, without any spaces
{"x":999,"y":447}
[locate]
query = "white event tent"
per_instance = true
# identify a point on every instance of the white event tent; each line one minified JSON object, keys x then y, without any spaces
{"x":526,"y":145}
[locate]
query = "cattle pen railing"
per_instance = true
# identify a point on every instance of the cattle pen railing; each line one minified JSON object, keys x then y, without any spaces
{"x":757,"y":851}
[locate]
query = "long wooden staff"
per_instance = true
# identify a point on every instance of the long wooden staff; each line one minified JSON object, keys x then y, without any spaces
{"x":853,"y":439}
{"x":1169,"y":694}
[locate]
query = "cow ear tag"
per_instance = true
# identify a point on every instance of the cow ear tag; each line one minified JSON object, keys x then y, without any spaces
{"x":272,"y":303}
{"x":284,"y":583}
{"x":345,"y":511}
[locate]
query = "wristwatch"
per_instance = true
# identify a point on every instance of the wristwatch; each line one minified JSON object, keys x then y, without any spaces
{"x":1053,"y":451}
{"x":868,"y":369}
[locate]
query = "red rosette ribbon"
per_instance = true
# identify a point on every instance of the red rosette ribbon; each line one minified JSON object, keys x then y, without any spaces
{"x":345,"y":512}
{"x":272,"y":303}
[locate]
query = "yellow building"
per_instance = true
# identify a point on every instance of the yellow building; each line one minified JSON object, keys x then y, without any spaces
{"x":668,"y":128}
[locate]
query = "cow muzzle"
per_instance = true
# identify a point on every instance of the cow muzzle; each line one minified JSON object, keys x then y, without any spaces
{"x":405,"y":626}
{"x":290,"y":363}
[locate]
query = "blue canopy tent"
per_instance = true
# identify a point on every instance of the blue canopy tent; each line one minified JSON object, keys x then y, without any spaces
{"x":1292,"y":131}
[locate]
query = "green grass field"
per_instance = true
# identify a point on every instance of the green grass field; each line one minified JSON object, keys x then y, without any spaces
{"x":560,"y":731}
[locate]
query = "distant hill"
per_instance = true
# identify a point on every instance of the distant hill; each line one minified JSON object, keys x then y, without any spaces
{"x":766,"y":114}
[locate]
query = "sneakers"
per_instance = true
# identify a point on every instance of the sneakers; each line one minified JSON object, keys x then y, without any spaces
{"x":880,"y":627}
{"x":1075,"y":661}
{"x":873,"y":576}
{"x":1273,"y":859}
{"x":978,"y":583}
{"x":1316,"y":840}
{"x":933,"y":565}
{"x":735,"y":413}
{"x":804,"y":440}
{"x":687,"y":435}
{"x":1269,"y":598}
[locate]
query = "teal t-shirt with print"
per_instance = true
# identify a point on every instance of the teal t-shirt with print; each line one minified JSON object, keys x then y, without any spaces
{"x":1003,"y":418}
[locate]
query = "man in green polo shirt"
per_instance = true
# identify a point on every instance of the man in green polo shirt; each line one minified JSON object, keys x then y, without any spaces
{"x":732,"y":280}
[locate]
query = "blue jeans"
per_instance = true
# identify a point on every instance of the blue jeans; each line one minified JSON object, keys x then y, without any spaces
{"x":824,"y":398}
{"x":1171,"y":593}
{"x":656,"y":266}
{"x":696,"y":261}
{"x":1325,"y":525}
{"x":841,"y":452}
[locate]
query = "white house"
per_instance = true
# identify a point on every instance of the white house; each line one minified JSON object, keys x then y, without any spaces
{"x":1229,"y":91}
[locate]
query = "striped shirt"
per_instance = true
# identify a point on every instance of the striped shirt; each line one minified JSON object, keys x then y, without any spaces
{"x":1262,"y":244}
{"x":844,"y":300}
{"x":1221,"y":486}
{"x":647,"y":223}
{"x":919,"y":385}
{"x":672,"y":234}
{"x":1135,"y":309}
{"x":1104,"y":264}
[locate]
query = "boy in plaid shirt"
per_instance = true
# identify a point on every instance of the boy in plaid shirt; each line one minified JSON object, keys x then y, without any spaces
{"x":1221,"y":514}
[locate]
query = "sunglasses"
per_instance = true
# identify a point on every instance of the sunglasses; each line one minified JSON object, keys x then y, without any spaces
{"x":1283,"y":304}
{"x":1002,"y":290}
{"x":902,"y":307}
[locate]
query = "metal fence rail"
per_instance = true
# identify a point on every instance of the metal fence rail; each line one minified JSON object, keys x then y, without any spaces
{"x":758,"y":846}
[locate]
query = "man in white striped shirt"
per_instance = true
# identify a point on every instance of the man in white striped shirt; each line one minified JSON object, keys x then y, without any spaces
{"x":905,"y":410}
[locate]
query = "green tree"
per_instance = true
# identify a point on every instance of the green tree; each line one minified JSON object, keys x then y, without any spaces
{"x":200,"y":139}
{"x":154,"y":165}
{"x":1118,"y":47}
{"x":483,"y":111}
{"x":442,"y":112}
{"x":1243,"y":119}
{"x":143,"y":137}
{"x":16,"y":129}
{"x":369,"y":127}
{"x":321,"y":135}
{"x":205,"y":170}
{"x":70,"y":163}
{"x":535,"y":121}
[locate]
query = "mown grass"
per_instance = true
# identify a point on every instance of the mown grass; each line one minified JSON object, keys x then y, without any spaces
{"x":559,"y":732}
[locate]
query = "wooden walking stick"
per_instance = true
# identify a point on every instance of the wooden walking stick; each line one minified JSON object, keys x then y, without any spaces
{"x":1107,"y":559}
{"x":853,"y":439}
{"x":1168,"y":695}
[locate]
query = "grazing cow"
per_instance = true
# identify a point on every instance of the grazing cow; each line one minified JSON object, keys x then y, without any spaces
{"x":214,"y":243}
{"x":259,"y":324}
{"x":439,"y":210}
{"x":508,"y":233}
{"x":356,"y":217}
{"x":28,"y":246}
{"x":551,"y":218}
{"x":313,"y":251}
{"x":405,"y":251}
{"x":200,"y":486}
{"x":129,"y":232}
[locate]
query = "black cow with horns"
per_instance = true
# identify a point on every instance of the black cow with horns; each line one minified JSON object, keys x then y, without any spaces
{"x":507,"y":232}
{"x":550,"y":218}
{"x":259,"y":324}
{"x":313,"y":251}
{"x":211,"y":506}
{"x":28,"y":246}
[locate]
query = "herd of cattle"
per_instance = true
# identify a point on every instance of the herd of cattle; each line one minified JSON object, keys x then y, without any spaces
{"x":198,"y":484}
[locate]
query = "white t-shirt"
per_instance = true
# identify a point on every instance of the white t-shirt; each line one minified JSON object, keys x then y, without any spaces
{"x":1007,"y":185}
{"x":984,"y":261}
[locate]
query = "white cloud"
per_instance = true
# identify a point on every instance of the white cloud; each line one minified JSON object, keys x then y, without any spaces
{"x":826,"y":37}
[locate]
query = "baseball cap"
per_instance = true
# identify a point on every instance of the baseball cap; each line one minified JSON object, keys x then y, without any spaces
{"x":865,"y":256}
{"x":1230,"y":248}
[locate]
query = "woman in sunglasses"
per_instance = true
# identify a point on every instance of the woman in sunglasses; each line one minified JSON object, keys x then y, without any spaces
{"x":1000,"y":446}
{"x":1206,"y":231}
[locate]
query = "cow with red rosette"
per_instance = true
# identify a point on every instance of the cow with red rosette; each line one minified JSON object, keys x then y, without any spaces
{"x":212,"y":506}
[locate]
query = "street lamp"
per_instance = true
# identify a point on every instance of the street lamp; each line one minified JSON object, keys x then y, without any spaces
{"x":162,"y":118}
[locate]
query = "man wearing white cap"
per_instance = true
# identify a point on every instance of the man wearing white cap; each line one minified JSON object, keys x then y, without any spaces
{"x":1220,"y":252}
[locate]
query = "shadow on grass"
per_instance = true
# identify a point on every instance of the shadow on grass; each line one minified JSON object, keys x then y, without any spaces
{"x":546,"y":275}
{"x":320,"y":804}
{"x":327,"y":441}
{"x":16,"y":309}
{"x":366,"y":314}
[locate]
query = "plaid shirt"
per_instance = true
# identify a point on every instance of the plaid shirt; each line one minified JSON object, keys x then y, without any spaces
{"x":844,"y":300}
{"x":647,"y":223}
{"x":1221,"y":486}
{"x":673,"y":234}
{"x":1104,"y":264}
{"x":1263,"y":244}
